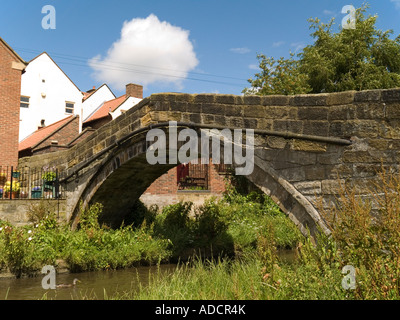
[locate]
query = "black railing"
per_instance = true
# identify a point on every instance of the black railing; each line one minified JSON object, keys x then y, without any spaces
{"x":224,"y":169}
{"x":193,"y":176}
{"x":29,"y":183}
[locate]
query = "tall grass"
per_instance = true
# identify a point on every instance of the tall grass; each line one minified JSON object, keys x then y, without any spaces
{"x":360,"y":236}
{"x":369,"y":239}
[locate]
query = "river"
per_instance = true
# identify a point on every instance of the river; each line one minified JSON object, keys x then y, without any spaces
{"x":92,"y":285}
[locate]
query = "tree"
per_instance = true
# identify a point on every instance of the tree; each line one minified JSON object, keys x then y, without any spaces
{"x":351,"y":59}
{"x":281,"y":76}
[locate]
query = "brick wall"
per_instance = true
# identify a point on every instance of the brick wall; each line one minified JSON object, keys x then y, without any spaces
{"x":167,"y":183}
{"x":10,"y":93}
{"x":63,"y":136}
{"x":164,"y":191}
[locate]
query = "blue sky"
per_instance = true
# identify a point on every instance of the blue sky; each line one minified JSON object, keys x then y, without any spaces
{"x":204,"y":46}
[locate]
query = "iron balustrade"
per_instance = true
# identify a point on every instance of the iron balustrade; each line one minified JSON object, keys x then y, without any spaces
{"x":28,"y":183}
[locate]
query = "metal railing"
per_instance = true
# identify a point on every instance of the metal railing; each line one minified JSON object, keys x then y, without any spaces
{"x":193,"y":176}
{"x":29,"y":183}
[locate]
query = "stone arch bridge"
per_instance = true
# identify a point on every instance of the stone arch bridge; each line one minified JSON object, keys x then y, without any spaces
{"x":305,"y":147}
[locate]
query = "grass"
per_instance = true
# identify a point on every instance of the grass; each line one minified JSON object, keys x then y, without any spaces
{"x":227,"y":227}
{"x":238,"y":239}
{"x":365,"y":239}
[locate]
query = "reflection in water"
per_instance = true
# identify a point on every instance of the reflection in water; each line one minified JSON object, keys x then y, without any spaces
{"x":93,"y":285}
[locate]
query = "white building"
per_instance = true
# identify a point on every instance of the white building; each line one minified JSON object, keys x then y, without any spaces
{"x":124,"y":106}
{"x":94,"y":99}
{"x":47,"y":96}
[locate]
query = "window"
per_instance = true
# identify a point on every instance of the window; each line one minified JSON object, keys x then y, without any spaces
{"x":69,"y":107}
{"x":24,"y":102}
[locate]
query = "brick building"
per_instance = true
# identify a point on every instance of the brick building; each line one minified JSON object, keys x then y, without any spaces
{"x":194,"y":183}
{"x":11,"y":68}
{"x":60,"y":135}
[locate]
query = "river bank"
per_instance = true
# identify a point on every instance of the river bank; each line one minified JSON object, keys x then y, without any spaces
{"x":244,"y":234}
{"x":226,"y":227}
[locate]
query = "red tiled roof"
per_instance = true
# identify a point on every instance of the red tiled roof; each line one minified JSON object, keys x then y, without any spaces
{"x":106,"y":108}
{"x":87,"y":95}
{"x":42,"y":133}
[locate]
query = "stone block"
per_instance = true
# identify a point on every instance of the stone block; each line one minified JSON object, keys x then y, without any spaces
{"x":329,"y":158}
{"x":393,"y":111}
{"x":370,"y":111}
{"x":179,"y":106}
{"x":347,"y":112}
{"x":225,"y":99}
{"x":309,"y":100}
{"x":204,"y":98}
{"x":252,"y":100}
{"x":359,"y":157}
{"x":379,"y":144}
{"x":358,"y":128}
{"x":293,"y":126}
{"x":276,"y":142}
{"x":235,"y":122}
{"x":340,"y":98}
{"x":314,"y":172}
{"x":212,"y":108}
{"x":254,"y":111}
{"x":316,"y":128}
{"x":195,"y":118}
{"x":250,"y":123}
{"x":303,"y":158}
{"x":275,"y":100}
{"x":145,"y":120}
{"x":308,"y":187}
{"x":390,"y":95}
{"x":174,"y":116}
{"x":265,"y":124}
{"x":293,"y":174}
{"x":234,"y":111}
{"x":367,"y":96}
{"x":389,"y":129}
{"x":313,"y":113}
{"x":280,"y":113}
{"x":184,"y":97}
{"x":309,"y":146}
{"x":332,"y":186}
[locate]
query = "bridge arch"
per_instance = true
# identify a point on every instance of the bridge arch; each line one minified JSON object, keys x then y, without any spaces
{"x":124,"y":175}
{"x":307,"y":146}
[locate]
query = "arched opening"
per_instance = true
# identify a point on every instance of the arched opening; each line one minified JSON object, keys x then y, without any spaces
{"x":125,"y":175}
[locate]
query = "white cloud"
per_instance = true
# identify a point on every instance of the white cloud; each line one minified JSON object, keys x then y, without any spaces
{"x":329,"y":12}
{"x":298,"y":46}
{"x":148,"y":51}
{"x":396,"y":3}
{"x":278,"y":44}
{"x":243,"y":50}
{"x":254,"y":67}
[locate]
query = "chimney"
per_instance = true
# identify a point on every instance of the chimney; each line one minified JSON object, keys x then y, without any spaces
{"x":42,"y":124}
{"x":134,"y":90}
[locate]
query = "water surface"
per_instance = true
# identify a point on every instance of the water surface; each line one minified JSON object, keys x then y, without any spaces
{"x":93,"y":285}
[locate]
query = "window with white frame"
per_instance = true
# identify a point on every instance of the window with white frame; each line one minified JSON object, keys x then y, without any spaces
{"x":69,"y":107}
{"x":24,"y":103}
